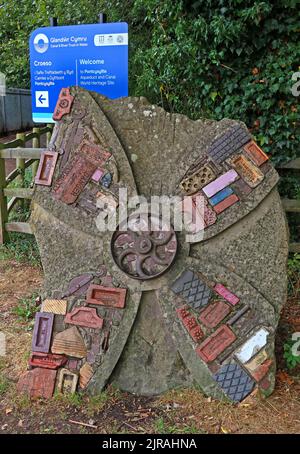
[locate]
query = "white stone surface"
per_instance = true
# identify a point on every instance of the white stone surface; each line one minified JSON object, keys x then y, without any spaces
{"x":252,"y":346}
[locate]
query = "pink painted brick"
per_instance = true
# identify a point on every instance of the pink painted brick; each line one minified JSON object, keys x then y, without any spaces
{"x":220,"y":183}
{"x":97,"y":175}
{"x":225,"y":293}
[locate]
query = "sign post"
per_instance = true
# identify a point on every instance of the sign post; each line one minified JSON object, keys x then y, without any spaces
{"x":93,"y":56}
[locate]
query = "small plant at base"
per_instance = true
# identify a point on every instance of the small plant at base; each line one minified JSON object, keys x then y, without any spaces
{"x":4,"y":385}
{"x":291,"y":359}
{"x":26,"y":308}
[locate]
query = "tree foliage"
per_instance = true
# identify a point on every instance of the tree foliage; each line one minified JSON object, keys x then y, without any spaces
{"x":209,"y":58}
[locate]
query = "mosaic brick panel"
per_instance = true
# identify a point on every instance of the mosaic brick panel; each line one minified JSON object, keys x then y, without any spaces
{"x":229,"y":142}
{"x":234,"y":381}
{"x":192,"y":289}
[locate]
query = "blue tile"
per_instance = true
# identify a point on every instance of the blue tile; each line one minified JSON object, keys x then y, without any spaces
{"x":221,"y":195}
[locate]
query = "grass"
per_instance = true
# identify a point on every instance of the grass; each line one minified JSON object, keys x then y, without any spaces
{"x":4,"y":385}
{"x":26,"y":308}
{"x":162,"y":427}
{"x":22,"y":248}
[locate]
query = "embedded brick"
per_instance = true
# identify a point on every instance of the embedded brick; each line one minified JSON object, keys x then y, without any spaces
{"x":47,"y":360}
{"x":42,"y":332}
{"x":234,"y":381}
{"x":221,"y":195}
{"x":46,"y":168}
{"x":226,"y":203}
{"x":37,"y":382}
{"x":73,"y":180}
{"x":255,"y":153}
{"x":70,"y":343}
{"x":194,"y":182}
{"x":213,"y":314}
{"x":226,"y":294}
{"x":85,"y":375}
{"x":227,"y":143}
{"x":58,"y":307}
{"x":192,"y":289}
{"x":63,"y":105}
{"x":252,"y":346}
{"x":106,"y":296}
{"x":216,"y":344}
{"x":247,"y":170}
{"x":261,"y":371}
{"x":67,"y":381}
{"x":84,"y":316}
{"x":220,"y":183}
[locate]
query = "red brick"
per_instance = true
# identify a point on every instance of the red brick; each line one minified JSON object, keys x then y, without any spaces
{"x":73,"y":180}
{"x":265,"y":384}
{"x":214,"y":314}
{"x":226,"y":294}
{"x":37,"y":383}
{"x":106,"y":296}
{"x":196,"y":334}
{"x":189,"y":322}
{"x":46,"y":168}
{"x":255,"y":153}
{"x":84,"y":316}
{"x":226,"y":203}
{"x":182,"y":312}
{"x":262,"y":370}
{"x":216,"y":343}
{"x":47,"y":360}
{"x":63,"y":105}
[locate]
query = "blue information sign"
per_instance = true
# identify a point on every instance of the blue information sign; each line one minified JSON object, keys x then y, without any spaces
{"x":93,"y":56}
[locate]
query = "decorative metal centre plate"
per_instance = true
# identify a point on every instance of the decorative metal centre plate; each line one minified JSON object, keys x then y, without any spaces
{"x":144,"y":247}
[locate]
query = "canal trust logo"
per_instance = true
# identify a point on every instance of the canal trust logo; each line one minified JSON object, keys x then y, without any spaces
{"x":41,"y":43}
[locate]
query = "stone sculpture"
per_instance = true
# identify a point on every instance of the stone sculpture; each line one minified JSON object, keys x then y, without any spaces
{"x":150,"y":311}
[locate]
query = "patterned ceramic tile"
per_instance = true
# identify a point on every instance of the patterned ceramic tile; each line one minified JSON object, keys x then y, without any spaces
{"x":192,"y":289}
{"x":234,"y":381}
{"x":229,"y":142}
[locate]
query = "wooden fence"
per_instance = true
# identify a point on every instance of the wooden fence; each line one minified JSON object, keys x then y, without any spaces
{"x":27,"y":157}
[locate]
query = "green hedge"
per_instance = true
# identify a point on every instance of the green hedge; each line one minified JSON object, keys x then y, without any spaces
{"x":212,"y":58}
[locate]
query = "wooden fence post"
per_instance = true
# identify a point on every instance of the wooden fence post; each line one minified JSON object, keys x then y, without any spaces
{"x":3,"y":204}
{"x":36,"y":143}
{"x":21,"y":163}
{"x":49,"y":134}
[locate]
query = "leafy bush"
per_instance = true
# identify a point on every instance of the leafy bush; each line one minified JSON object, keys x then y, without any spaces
{"x":292,"y":359}
{"x":209,"y":58}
